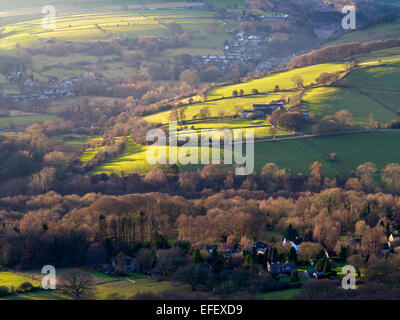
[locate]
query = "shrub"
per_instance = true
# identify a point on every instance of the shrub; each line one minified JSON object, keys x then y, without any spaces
{"x":4,"y":291}
{"x":25,"y":286}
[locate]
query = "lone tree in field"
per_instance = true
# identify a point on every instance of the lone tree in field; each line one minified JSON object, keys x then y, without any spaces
{"x":77,"y":285}
{"x":298,"y":81}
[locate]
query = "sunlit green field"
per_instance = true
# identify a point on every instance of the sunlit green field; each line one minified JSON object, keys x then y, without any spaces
{"x":10,"y":279}
{"x":225,"y":107}
{"x":103,"y":285}
{"x":90,"y":153}
{"x":262,"y":128}
{"x":283,"y":80}
{"x":102,"y":25}
{"x":135,"y":158}
{"x":129,"y":287}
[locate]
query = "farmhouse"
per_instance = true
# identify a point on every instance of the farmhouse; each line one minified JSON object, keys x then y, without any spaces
{"x":261,"y":110}
{"x":281,"y":269}
{"x":394,"y":238}
{"x":295,"y":243}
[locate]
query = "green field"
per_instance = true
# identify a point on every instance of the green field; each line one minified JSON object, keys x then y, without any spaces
{"x":262,"y":128}
{"x":103,"y":285}
{"x":283,"y":80}
{"x":134,"y":159}
{"x":227,"y":106}
{"x":296,"y":155}
{"x":90,"y":153}
{"x":379,"y":32}
{"x":129,"y":287}
{"x":352,"y":150}
{"x":381,"y":77}
{"x":102,"y":25}
{"x":10,"y":279}
{"x":26,"y":120}
{"x":325,"y":101}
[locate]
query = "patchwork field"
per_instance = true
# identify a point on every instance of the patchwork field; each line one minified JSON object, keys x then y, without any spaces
{"x":371,"y":90}
{"x":98,"y":26}
{"x":104,"y":285}
{"x":296,"y":155}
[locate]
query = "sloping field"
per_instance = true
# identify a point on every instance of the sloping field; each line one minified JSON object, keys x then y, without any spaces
{"x":352,"y":150}
{"x":327,"y":101}
{"x":380,"y":32}
{"x":10,"y":279}
{"x":227,"y":106}
{"x":283,"y":80}
{"x":381,"y":77}
{"x":26,"y":120}
{"x":101,"y":25}
{"x":262,"y":128}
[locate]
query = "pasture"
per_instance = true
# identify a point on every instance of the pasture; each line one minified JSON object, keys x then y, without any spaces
{"x":218,"y":108}
{"x":131,"y":286}
{"x":283,"y":80}
{"x":10,"y":279}
{"x":6,"y":122}
{"x":201,"y":26}
{"x":379,"y":77}
{"x":379,"y":32}
{"x":352,"y":150}
{"x":325,"y":101}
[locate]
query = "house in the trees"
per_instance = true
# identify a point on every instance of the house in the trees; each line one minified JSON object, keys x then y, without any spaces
{"x":261,"y":110}
{"x":394,"y":240}
{"x":281,"y":269}
{"x":260,"y":247}
{"x":129,"y":267}
{"x":310,"y":274}
{"x":295,"y":243}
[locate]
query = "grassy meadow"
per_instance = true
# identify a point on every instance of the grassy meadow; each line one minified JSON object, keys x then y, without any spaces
{"x":379,"y":32}
{"x":25,"y":120}
{"x":225,"y":107}
{"x":283,"y":80}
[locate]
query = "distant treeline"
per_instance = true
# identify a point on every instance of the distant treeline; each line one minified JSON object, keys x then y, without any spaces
{"x":383,"y":18}
{"x":339,"y":52}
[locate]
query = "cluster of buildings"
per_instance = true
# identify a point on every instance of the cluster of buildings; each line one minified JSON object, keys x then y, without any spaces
{"x":35,"y":90}
{"x":243,"y":48}
{"x":261,"y":110}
